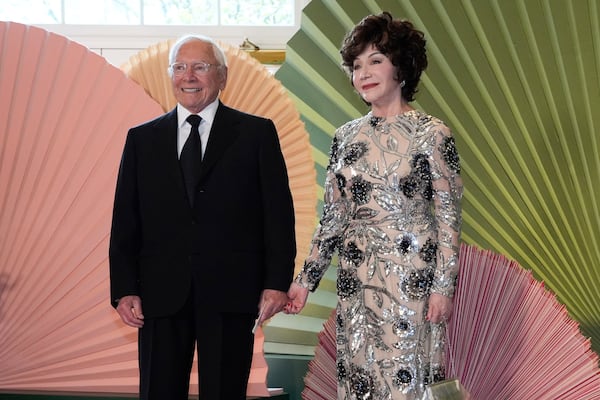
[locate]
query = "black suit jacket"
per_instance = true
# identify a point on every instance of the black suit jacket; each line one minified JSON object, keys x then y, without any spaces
{"x":240,"y":231}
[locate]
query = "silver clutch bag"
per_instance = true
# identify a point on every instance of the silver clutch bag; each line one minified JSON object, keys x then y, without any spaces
{"x":449,"y":389}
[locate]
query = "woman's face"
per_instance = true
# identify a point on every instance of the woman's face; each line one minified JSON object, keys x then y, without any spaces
{"x":374,"y":77}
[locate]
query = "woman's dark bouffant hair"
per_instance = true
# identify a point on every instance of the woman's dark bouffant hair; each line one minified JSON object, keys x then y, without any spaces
{"x":397,"y":39}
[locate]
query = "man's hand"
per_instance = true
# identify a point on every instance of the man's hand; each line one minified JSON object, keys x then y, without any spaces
{"x":130,"y":311}
{"x":271,"y":302}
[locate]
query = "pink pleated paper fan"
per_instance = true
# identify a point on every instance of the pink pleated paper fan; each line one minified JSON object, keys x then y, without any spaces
{"x":321,"y":378}
{"x":64,"y":115}
{"x":511,"y":339}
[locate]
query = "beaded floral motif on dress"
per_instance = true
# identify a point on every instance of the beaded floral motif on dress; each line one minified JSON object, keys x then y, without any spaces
{"x":392,"y":213}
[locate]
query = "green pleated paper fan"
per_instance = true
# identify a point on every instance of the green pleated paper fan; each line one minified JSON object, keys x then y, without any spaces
{"x":519,"y":84}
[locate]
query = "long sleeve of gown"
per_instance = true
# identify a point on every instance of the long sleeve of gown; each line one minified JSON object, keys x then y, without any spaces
{"x":333,"y":222}
{"x":447,"y":194}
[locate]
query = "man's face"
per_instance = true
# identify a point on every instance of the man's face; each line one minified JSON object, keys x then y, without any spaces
{"x":195,"y":89}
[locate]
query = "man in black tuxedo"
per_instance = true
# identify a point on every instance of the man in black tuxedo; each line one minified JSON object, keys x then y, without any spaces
{"x":202,"y":263}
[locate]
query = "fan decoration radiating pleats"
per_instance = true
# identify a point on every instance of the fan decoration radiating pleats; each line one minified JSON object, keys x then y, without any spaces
{"x":64,"y":114}
{"x":509,"y":338}
{"x":321,"y":378}
{"x":518,"y":82}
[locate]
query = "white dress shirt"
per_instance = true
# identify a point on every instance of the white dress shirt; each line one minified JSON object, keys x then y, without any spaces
{"x":184,"y":127}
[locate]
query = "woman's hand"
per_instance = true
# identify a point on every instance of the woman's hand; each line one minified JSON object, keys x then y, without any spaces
{"x":297,"y":299}
{"x":440,"y":308}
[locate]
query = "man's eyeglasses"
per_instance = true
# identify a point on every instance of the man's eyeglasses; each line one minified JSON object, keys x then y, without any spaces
{"x":199,"y":68}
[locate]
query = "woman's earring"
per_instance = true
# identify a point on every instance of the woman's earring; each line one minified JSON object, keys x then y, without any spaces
{"x":403,"y":83}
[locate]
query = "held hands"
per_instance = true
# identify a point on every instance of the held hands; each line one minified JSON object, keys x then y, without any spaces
{"x":130,"y":311}
{"x":274,"y":301}
{"x":440,"y":308}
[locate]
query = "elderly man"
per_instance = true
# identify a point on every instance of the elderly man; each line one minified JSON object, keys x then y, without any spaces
{"x":202,"y":242}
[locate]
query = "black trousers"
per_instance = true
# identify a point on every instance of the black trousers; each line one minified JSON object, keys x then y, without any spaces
{"x":166,"y":351}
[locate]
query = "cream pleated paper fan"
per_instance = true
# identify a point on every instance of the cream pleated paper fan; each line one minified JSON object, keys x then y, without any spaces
{"x":509,"y":339}
{"x":64,"y":115}
{"x":253,"y":89}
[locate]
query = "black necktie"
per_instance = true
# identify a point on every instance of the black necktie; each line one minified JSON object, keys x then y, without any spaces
{"x":191,"y":157}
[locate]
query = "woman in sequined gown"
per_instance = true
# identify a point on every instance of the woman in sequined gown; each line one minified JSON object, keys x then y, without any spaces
{"x":392,"y":212}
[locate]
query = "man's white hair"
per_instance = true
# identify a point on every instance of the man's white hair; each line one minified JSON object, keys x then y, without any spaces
{"x":219,"y":53}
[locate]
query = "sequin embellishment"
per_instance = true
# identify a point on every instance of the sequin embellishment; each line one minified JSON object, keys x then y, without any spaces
{"x":392,"y":212}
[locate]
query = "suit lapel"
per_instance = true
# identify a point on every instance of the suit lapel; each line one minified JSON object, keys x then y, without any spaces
{"x":166,"y":141}
{"x":168,"y":124}
{"x":224,"y":131}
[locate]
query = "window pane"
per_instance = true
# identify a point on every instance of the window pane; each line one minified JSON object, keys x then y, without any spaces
{"x":151,"y":12}
{"x":181,"y":12}
{"x":257,"y":12}
{"x":31,"y":12}
{"x":102,"y":12}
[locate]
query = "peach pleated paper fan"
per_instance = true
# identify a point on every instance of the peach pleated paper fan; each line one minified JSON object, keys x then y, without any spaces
{"x":253,"y":89}
{"x":509,"y":339}
{"x":64,"y":115}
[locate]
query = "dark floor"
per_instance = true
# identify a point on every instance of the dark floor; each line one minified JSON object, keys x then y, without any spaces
{"x":88,"y":396}
{"x":285,"y":372}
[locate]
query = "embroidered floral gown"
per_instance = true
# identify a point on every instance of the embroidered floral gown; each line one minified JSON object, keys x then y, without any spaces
{"x":392,"y":212}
